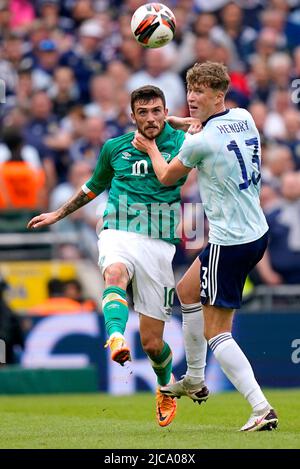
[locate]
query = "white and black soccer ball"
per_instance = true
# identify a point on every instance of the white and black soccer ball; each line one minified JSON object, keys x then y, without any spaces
{"x":153,"y":25}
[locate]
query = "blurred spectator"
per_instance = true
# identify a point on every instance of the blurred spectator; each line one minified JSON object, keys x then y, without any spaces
{"x":49,"y":12}
{"x":277,"y":160}
{"x":157,"y":72}
{"x":131,"y":53}
{"x":118,"y":73}
{"x":42,"y":132}
{"x":73,"y":123}
{"x":259,"y":112}
{"x":203,"y":49}
{"x":87,"y":148}
{"x":22,"y":178}
{"x":12,"y":53}
{"x":82,"y":10}
{"x":185,"y":36}
{"x":12,"y":143}
{"x":16,"y":117}
{"x":291,"y":120}
{"x":275,"y":20}
{"x":103,"y":96}
{"x":234,"y":34}
{"x":10,"y":327}
{"x":37,"y":33}
{"x":41,"y":123}
{"x":280,"y":102}
{"x":73,"y":290}
{"x":259,"y":80}
{"x":281,"y":264}
{"x":47,"y":62}
{"x":4,"y":18}
{"x":63,"y":92}
{"x":280,"y":66}
{"x":267,"y":43}
{"x":56,"y":303}
{"x":86,"y":58}
{"x":22,"y":14}
{"x":122,"y":122}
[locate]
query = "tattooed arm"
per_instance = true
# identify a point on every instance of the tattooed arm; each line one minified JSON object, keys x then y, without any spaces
{"x":74,"y":203}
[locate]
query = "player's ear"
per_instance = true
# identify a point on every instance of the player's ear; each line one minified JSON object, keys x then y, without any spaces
{"x":166,"y":112}
{"x":133,"y":118}
{"x":220,"y":96}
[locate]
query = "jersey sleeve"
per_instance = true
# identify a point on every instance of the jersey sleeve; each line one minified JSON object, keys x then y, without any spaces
{"x":102,"y":175}
{"x":192,"y":150}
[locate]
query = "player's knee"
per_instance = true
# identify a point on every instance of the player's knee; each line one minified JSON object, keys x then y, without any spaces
{"x":152,"y":346}
{"x":115,"y":276}
{"x":187,"y":295}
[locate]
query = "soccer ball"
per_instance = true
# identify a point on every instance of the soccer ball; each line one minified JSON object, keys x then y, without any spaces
{"x":153,"y":25}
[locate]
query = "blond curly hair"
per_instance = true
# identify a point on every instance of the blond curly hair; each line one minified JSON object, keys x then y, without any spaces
{"x":209,"y":74}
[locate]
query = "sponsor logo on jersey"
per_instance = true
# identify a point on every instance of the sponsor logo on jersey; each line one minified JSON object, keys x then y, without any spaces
{"x":165,"y":155}
{"x":126,"y":155}
{"x":203,"y":293}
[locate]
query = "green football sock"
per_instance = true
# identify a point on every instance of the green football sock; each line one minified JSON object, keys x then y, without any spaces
{"x":162,"y":365}
{"x":115,"y":310}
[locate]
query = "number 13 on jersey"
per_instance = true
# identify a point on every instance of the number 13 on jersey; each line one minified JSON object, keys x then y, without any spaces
{"x":255,"y":175}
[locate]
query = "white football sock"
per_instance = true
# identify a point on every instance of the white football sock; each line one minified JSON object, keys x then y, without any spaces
{"x":195,"y":343}
{"x":238,"y":370}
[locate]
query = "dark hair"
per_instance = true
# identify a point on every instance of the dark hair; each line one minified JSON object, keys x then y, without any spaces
{"x":145,"y":94}
{"x":55,"y":287}
{"x":13,"y":139}
{"x":75,"y":283}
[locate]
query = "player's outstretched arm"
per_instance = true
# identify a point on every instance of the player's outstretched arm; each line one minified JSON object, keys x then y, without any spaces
{"x":74,"y":203}
{"x":187,"y":124}
{"x":167,"y":174}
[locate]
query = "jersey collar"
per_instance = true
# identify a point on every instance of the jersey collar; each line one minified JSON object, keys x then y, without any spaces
{"x":215,"y":115}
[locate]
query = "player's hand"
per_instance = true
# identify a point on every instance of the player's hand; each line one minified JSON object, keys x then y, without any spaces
{"x":44,"y":219}
{"x":184,"y":123}
{"x":195,"y":127}
{"x":142,"y":143}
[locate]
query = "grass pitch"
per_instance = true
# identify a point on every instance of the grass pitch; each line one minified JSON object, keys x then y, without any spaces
{"x":103,"y":421}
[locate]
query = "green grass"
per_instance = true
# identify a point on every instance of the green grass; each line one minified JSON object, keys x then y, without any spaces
{"x":103,"y":421}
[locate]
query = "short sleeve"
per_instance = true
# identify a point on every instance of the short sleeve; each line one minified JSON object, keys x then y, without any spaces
{"x":192,"y":151}
{"x":103,"y":173}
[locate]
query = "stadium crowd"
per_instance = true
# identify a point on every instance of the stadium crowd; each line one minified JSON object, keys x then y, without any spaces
{"x":68,"y":68}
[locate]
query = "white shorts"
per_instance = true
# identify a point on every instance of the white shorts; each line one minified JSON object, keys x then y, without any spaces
{"x":149,"y":265}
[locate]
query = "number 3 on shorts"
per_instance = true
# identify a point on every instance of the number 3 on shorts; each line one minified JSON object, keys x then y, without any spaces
{"x":204,"y":278}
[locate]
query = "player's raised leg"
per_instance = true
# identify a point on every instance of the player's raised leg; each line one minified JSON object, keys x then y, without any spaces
{"x":160,"y":356}
{"x":192,"y":385}
{"x":115,"y":310}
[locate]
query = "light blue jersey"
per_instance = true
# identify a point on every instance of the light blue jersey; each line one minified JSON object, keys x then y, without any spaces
{"x":227,"y":155}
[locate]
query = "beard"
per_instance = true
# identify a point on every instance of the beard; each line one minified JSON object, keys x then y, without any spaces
{"x":155,"y":129}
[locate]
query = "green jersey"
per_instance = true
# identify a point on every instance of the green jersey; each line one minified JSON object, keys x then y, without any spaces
{"x":137,"y":201}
